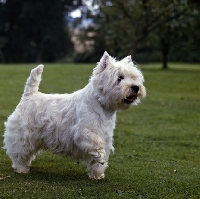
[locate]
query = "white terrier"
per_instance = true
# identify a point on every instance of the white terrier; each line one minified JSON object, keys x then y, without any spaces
{"x":80,"y":124}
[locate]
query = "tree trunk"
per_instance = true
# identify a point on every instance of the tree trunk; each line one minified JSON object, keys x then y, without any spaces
{"x":133,"y":51}
{"x":39,"y":53}
{"x":165,"y":51}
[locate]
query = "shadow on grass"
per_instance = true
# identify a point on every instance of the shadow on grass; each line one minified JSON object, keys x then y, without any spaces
{"x":55,"y":176}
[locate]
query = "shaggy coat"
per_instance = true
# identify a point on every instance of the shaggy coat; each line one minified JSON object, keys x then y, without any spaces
{"x":79,"y":124}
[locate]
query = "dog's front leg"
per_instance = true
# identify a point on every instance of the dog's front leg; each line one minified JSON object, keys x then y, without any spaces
{"x":99,"y":155}
{"x":94,"y":146}
{"x":97,"y":166}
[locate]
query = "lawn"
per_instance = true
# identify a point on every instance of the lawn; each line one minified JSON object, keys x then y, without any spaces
{"x":157,"y":143}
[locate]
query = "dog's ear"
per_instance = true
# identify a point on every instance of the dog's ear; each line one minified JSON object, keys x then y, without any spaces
{"x":127,"y":59}
{"x":104,"y":61}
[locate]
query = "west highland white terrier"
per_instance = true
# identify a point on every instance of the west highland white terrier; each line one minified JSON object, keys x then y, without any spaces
{"x":79,"y":124}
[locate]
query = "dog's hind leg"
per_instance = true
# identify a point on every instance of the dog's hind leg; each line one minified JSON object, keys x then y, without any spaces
{"x":19,"y":144}
{"x":33,"y":81}
{"x":19,"y":155}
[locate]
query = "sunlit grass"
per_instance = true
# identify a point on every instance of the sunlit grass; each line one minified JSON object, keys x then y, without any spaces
{"x":157,"y":143}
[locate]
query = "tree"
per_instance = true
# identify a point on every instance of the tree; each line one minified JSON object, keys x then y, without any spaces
{"x":93,"y":32}
{"x":35,"y":30}
{"x":127,"y":24}
{"x":188,"y":32}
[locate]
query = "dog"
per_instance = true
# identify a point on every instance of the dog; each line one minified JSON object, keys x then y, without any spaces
{"x":79,"y":124}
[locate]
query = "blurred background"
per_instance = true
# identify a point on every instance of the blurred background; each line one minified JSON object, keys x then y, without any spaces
{"x":81,"y":30}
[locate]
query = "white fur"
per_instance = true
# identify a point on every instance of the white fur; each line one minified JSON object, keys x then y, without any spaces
{"x":80,"y":124}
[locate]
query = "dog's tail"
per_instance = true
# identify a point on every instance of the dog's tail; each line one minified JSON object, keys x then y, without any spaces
{"x":33,"y":81}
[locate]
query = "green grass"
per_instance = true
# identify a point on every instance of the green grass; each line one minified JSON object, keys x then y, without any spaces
{"x":157,"y":143}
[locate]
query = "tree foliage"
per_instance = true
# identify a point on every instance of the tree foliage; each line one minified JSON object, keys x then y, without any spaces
{"x":149,"y":30}
{"x":35,"y":30}
{"x":187,"y":32}
{"x":128,"y":24}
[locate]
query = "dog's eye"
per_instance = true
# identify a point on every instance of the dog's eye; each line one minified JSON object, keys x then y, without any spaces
{"x":120,"y":78}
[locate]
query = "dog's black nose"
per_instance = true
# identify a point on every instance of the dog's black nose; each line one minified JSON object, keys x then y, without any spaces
{"x":135,"y":88}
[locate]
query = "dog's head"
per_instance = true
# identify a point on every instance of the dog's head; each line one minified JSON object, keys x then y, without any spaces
{"x":117,"y":84}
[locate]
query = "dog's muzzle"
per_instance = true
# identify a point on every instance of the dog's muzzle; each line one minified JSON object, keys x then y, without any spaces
{"x":134,"y":94}
{"x":135,"y":89}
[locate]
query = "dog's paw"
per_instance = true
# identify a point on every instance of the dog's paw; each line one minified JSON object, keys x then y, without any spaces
{"x":99,"y":156}
{"x":21,"y":169}
{"x":96,"y":177}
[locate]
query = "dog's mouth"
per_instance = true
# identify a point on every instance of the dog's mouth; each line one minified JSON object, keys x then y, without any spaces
{"x":129,"y":100}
